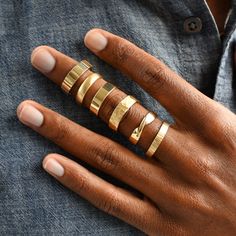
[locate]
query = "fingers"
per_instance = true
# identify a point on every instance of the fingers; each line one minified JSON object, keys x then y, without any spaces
{"x":52,"y":63}
{"x":181,"y":99}
{"x":105,"y":196}
{"x":132,"y":118}
{"x":98,"y":151}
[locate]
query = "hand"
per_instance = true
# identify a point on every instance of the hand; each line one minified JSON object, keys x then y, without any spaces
{"x":189,"y":184}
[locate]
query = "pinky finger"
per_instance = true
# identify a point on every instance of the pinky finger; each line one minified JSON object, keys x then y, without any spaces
{"x":105,"y":196}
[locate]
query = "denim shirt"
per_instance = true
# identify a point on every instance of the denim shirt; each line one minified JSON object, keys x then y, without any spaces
{"x":181,"y":33}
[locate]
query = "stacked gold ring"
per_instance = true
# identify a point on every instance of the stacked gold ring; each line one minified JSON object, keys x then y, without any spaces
{"x":85,"y":86}
{"x":74,"y":74}
{"x":119,"y":112}
{"x":100,"y":96}
{"x":121,"y":108}
{"x":158,"y":139}
{"x":136,"y":134}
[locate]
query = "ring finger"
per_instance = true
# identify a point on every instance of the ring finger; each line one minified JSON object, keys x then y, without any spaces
{"x":96,"y":150}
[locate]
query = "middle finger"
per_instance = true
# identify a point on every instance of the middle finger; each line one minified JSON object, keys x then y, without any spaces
{"x":132,"y":118}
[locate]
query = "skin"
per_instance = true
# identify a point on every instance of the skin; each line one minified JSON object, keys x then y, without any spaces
{"x":188,"y":187}
{"x":219,"y":10}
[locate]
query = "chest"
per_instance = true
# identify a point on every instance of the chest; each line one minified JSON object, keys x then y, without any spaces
{"x":220,"y":11}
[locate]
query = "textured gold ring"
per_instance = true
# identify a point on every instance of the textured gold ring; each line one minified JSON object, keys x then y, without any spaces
{"x":100,"y":96}
{"x":158,"y":139}
{"x":74,"y":74}
{"x":136,"y":134}
{"x":86,"y":85}
{"x":121,"y":109}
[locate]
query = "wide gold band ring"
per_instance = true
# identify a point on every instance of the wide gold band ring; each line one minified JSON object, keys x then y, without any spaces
{"x":136,"y":134}
{"x":158,"y":139}
{"x":100,"y":96}
{"x":85,"y":86}
{"x":74,"y":74}
{"x":121,"y":109}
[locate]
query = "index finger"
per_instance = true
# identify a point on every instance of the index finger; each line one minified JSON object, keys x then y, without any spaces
{"x":179,"y":97}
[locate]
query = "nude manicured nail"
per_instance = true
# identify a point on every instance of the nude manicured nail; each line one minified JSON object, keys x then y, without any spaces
{"x":53,"y":167}
{"x":28,"y":114}
{"x":95,"y":41}
{"x":43,"y":60}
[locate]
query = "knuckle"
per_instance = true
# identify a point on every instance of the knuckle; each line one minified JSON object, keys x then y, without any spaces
{"x":168,"y":226}
{"x":228,"y":138}
{"x":209,"y":176}
{"x":105,"y":155}
{"x":78,"y":182}
{"x":111,"y":204}
{"x":222,"y":133}
{"x":217,"y":129}
{"x":205,"y":169}
{"x":230,"y":145}
{"x":61,"y":130}
{"x":135,"y":113}
{"x":154,"y":77}
{"x":201,"y":168}
{"x":110,"y":103}
{"x":122,"y":52}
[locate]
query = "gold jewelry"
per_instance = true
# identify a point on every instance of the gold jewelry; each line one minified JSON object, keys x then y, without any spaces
{"x":86,"y":85}
{"x":121,"y":109}
{"x":100,"y":96}
{"x":74,"y":74}
{"x":158,"y":139}
{"x":136,"y":134}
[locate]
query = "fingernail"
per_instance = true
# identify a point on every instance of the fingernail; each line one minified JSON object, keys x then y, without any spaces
{"x":29,"y":115}
{"x":95,"y":41}
{"x":43,"y":60}
{"x":53,"y":167}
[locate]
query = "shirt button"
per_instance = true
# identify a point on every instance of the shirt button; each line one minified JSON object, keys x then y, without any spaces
{"x":193,"y":25}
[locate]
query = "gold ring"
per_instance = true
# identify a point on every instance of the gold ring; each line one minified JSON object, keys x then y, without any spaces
{"x":158,"y":139}
{"x":121,"y":109}
{"x":100,"y":96}
{"x":86,"y":85}
{"x":74,"y":74}
{"x":136,"y":134}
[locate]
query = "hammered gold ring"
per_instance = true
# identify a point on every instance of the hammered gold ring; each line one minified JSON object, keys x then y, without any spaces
{"x":119,"y":112}
{"x":74,"y":74}
{"x":158,"y":139}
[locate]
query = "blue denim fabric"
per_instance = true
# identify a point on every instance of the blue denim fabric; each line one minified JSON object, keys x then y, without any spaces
{"x":32,"y":202}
